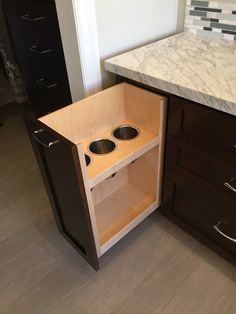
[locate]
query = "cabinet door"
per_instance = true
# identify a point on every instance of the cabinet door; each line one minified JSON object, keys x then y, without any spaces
{"x":59,"y":164}
{"x":211,"y":130}
{"x":206,"y":215}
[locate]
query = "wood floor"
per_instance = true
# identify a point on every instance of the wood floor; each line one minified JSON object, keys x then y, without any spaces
{"x":157,"y":268}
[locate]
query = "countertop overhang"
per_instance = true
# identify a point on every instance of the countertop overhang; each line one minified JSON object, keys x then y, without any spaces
{"x":187,"y":65}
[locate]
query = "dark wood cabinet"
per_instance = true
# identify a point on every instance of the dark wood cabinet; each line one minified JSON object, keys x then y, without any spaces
{"x":205,"y":214}
{"x":36,"y":38}
{"x":58,"y":161}
{"x":200,"y":174}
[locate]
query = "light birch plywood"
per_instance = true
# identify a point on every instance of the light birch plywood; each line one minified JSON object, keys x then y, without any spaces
{"x":161,"y":151}
{"x":121,"y":201}
{"x":143,"y":173}
{"x":105,"y":110}
{"x":118,"y":210}
{"x":103,"y":166}
{"x":103,"y":190}
{"x":90,"y":116}
{"x":144,"y":108}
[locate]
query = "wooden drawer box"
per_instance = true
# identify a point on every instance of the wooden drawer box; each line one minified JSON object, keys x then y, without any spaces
{"x":206,"y":128}
{"x":96,"y":205}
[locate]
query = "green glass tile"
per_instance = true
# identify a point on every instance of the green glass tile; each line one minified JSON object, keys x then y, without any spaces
{"x":200,"y":3}
{"x":223,"y":26}
{"x":198,"y":13}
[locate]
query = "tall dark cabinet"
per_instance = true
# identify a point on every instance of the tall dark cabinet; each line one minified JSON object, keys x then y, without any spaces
{"x":35,"y":33}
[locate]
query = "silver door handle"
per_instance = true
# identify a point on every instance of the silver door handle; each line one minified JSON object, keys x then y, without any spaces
{"x":229,"y":186}
{"x":38,"y":49}
{"x":27,"y":17}
{"x":46,"y":84}
{"x":216,"y":228}
{"x":49,"y":145}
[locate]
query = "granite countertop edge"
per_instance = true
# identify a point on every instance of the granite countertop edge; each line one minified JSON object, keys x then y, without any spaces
{"x":176,"y":89}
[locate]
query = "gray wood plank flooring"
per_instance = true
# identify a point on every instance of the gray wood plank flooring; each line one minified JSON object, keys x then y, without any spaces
{"x":157,"y":268}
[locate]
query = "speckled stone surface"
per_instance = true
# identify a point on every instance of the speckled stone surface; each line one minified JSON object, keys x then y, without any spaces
{"x":187,"y":65}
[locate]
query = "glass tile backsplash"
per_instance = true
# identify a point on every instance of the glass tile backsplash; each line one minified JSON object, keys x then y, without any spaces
{"x":211,"y":18}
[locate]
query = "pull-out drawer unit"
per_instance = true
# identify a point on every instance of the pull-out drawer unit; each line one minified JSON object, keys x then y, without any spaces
{"x":101,"y":159}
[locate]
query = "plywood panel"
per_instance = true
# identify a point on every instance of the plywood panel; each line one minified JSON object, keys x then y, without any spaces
{"x":103,"y":166}
{"x":143,"y":108}
{"x":105,"y":110}
{"x":89,"y":117}
{"x":163,"y":122}
{"x":144,"y":171}
{"x":103,"y":190}
{"x":118,"y":210}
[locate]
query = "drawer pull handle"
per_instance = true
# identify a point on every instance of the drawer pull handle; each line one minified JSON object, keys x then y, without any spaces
{"x":27,"y":17}
{"x":229,"y":186}
{"x":49,"y":145}
{"x":216,"y":228}
{"x":46,"y":84}
{"x":39,"y":49}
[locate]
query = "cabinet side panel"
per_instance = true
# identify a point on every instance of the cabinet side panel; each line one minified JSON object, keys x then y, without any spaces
{"x":144,"y":108}
{"x":143,"y":173}
{"x":90,"y":116}
{"x":109,"y":186}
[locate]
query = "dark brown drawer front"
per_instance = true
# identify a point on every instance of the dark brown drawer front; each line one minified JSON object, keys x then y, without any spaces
{"x":209,"y":129}
{"x":48,"y":95}
{"x":212,"y":172}
{"x":202,"y":210}
{"x":37,"y":41}
{"x":35,"y":19}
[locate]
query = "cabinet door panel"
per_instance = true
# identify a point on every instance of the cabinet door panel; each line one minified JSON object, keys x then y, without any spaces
{"x":193,"y":163}
{"x":206,"y":128}
{"x":60,"y":168}
{"x":202,"y":213}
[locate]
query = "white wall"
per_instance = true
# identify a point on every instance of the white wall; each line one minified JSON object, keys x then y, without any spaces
{"x":70,"y":47}
{"x":126,"y":24}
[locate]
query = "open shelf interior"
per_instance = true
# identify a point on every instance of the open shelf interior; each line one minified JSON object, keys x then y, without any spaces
{"x":97,"y":116}
{"x":122,"y":198}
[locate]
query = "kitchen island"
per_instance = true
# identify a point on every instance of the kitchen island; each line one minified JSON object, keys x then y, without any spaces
{"x":198,"y":76}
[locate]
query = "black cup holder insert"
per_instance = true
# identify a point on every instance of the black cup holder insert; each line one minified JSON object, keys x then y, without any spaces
{"x":102,"y":146}
{"x":126,"y":132}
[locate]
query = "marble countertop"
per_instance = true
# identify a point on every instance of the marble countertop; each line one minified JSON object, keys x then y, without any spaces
{"x":187,"y":65}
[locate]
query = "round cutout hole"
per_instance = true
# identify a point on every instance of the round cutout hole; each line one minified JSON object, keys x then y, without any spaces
{"x":126,"y":132}
{"x":102,"y":146}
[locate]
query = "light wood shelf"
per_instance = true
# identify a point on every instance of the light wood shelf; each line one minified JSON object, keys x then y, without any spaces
{"x":103,"y":166}
{"x":119,"y":209}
